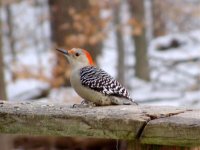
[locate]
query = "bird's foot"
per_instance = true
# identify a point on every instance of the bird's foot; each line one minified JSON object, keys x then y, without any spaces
{"x":84,"y":104}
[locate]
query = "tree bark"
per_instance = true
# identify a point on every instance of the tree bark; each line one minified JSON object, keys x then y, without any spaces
{"x":158,"y":23}
{"x":139,"y":37}
{"x":119,"y":42}
{"x":2,"y":78}
{"x":70,"y":21}
{"x":11,"y":38}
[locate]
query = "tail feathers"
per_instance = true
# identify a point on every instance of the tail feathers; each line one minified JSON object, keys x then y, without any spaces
{"x":135,"y":103}
{"x":122,"y":101}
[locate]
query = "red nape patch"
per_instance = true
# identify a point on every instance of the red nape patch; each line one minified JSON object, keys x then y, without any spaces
{"x":89,"y":57}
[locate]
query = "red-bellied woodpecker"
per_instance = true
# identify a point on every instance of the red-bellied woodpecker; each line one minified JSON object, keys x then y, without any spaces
{"x":94,"y":85}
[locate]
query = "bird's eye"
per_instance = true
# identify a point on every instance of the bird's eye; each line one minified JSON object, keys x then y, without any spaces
{"x":77,"y":54}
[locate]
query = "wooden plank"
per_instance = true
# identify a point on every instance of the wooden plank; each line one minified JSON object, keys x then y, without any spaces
{"x":6,"y":142}
{"x":116,"y":122}
{"x":151,"y":125}
{"x":182,"y":129}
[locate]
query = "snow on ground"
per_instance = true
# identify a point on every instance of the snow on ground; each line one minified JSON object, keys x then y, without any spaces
{"x":29,"y":59}
{"x":64,"y":95}
{"x":32,"y":27}
{"x":175,"y":72}
{"x":191,"y":98}
{"x":169,"y":82}
{"x":18,"y":90}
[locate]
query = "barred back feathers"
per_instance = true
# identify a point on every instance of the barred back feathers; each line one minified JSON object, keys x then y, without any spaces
{"x":98,"y":80}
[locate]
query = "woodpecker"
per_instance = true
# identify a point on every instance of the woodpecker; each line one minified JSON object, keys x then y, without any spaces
{"x":93,"y":84}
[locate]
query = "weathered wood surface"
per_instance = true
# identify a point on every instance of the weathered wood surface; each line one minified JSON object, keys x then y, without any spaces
{"x":147,"y":124}
{"x":180,"y":129}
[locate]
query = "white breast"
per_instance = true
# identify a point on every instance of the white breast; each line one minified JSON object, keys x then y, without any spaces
{"x":86,"y":93}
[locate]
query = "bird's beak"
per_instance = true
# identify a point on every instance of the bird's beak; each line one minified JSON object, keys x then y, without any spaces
{"x":65,"y":52}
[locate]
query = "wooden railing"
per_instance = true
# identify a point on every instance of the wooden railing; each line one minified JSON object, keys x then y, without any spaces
{"x":160,"y":125}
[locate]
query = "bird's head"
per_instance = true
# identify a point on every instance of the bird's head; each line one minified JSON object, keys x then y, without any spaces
{"x":77,"y":57}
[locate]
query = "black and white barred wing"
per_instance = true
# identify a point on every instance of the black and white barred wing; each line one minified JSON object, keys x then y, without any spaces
{"x":98,"y":80}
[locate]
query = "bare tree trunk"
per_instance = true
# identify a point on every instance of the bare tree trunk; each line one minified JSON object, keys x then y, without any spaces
{"x":11,"y":38}
{"x":141,"y":66}
{"x":37,"y":41}
{"x":67,"y":20}
{"x":149,"y":20}
{"x":2,"y":78}
{"x":158,"y":23}
{"x":119,"y":42}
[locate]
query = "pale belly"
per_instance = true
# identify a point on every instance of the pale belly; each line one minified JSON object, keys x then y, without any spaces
{"x":86,"y":93}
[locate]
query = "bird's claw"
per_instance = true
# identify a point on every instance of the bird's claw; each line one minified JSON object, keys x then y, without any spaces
{"x":84,"y":104}
{"x":79,"y":106}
